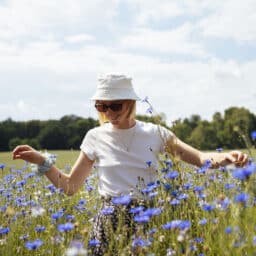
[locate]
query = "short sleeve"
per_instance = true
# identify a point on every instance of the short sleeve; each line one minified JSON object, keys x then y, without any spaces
{"x":166,"y":136}
{"x":165,"y":133}
{"x":88,"y":144}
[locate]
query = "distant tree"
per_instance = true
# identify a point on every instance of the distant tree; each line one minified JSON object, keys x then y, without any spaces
{"x":238,"y":122}
{"x":14,"y":142}
{"x":53,"y":136}
{"x":204,"y":136}
{"x":33,"y":128}
{"x":155,"y":119}
{"x":18,"y":141}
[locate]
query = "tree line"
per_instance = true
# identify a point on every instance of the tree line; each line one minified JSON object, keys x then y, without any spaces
{"x":229,"y":131}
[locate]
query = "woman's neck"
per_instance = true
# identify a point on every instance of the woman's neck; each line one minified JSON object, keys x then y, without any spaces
{"x":125,"y":124}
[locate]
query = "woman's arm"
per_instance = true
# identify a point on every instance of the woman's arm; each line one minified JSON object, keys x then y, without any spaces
{"x":193,"y":156}
{"x":70,"y":183}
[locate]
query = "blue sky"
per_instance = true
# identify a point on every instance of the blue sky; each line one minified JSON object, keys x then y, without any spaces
{"x":188,"y":57}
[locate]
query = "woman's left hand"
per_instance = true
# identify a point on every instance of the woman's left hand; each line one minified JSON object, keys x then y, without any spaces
{"x":233,"y":157}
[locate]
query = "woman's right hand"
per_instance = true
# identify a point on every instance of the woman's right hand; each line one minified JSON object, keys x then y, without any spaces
{"x":29,"y":154}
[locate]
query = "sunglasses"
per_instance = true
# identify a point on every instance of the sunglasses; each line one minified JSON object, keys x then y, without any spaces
{"x":103,"y":107}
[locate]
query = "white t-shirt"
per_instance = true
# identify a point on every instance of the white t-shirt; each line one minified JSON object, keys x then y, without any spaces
{"x":126,"y":159}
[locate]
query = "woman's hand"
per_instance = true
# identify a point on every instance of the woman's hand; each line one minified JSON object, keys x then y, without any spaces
{"x":28,"y":154}
{"x":233,"y":157}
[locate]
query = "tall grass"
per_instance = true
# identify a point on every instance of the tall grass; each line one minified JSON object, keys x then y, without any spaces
{"x":195,"y":211}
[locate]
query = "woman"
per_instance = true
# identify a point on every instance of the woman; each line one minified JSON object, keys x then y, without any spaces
{"x":125,"y":150}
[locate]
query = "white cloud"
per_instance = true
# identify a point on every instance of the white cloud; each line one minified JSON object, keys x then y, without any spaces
{"x":165,"y":41}
{"x":80,"y":38}
{"x":234,"y":20}
{"x":154,"y":10}
{"x":46,"y":18}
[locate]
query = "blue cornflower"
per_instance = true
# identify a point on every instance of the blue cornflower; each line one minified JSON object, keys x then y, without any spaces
{"x":185,"y":224}
{"x":149,"y":188}
{"x":70,"y":217}
{"x":21,"y":183}
{"x":139,"y":242}
{"x":165,"y":170}
{"x":244,"y":173}
{"x":253,"y":135}
{"x":136,"y":210}
{"x":107,"y":210}
{"x":29,"y":175}
{"x":4,"y":231}
{"x":122,"y":200}
{"x":152,"y":231}
{"x":167,"y":186}
{"x":219,"y":149}
{"x":51,"y":187}
{"x":229,"y":186}
{"x":65,"y":227}
{"x":175,"y":202}
{"x":207,"y":164}
{"x":187,"y":186}
{"x":202,"y":221}
{"x":94,"y":242}
{"x":80,"y":208}
{"x":180,"y":224}
{"x":24,"y":237}
{"x":172,"y":175}
{"x":152,"y":212}
{"x":57,"y":215}
{"x":171,"y":225}
{"x":208,"y":207}
{"x":168,"y":163}
{"x":33,"y":245}
{"x":228,"y":230}
{"x":223,"y":204}
{"x":145,"y":99}
{"x":198,"y":240}
{"x":148,"y":163}
{"x":182,"y":197}
{"x":198,"y":189}
{"x":241,"y":198}
{"x":141,"y":218}
{"x":149,"y":110}
{"x":90,"y":188}
{"x":82,"y":202}
{"x":2,"y":166}
{"x":39,"y":229}
{"x":152,"y":194}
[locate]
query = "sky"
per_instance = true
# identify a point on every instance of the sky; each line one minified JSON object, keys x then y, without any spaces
{"x":187,"y":56}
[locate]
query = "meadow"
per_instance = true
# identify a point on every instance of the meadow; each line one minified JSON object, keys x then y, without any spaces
{"x":195,"y":211}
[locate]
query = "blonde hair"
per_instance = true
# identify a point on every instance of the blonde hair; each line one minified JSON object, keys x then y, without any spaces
{"x":130,"y":114}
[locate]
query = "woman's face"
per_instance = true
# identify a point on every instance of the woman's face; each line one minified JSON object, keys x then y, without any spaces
{"x":116,"y":111}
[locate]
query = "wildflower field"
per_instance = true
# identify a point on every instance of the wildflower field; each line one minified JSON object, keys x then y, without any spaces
{"x":195,"y":211}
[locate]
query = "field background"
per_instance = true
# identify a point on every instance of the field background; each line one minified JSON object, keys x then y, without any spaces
{"x":216,"y":213}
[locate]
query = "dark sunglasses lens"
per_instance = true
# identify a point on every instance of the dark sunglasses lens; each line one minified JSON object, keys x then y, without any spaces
{"x":116,"y":107}
{"x":101,"y":107}
{"x":113,"y":107}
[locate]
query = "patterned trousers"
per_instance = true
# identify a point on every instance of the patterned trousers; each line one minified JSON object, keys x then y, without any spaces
{"x":113,"y":228}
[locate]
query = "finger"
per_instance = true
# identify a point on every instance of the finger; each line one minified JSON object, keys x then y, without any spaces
{"x":24,"y":155}
{"x":230,"y":158}
{"x":15,"y":156}
{"x":245,"y":158}
{"x":21,"y":148}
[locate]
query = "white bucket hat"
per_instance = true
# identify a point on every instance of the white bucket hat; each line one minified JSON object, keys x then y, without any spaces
{"x":115,"y":87}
